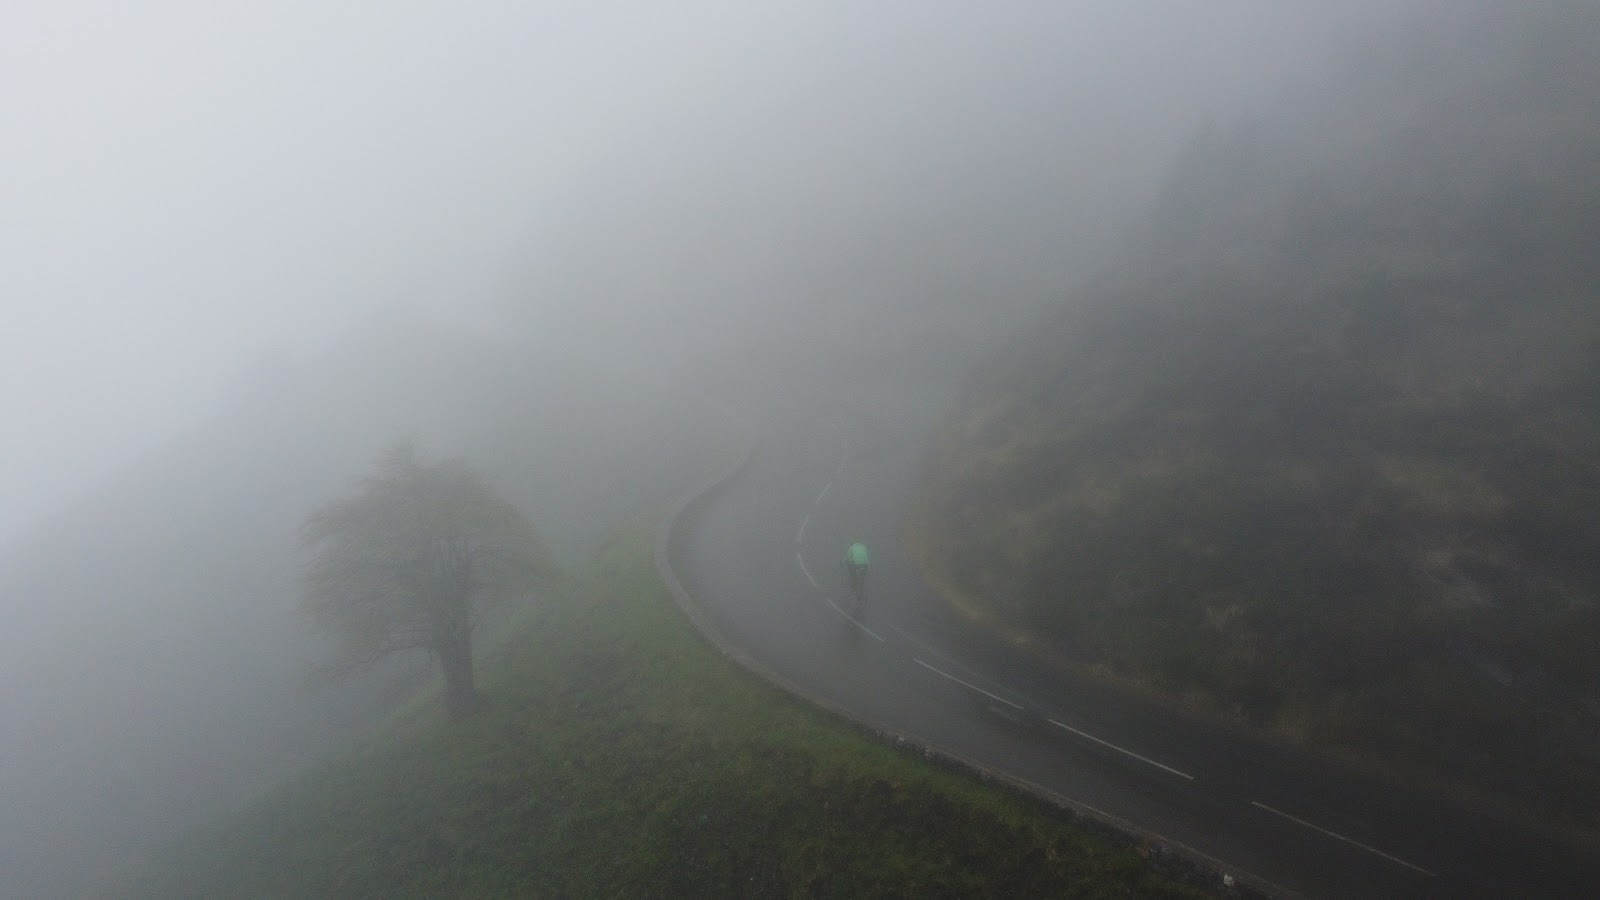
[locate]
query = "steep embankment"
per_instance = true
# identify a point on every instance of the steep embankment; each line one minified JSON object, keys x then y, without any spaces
{"x":617,"y":755}
{"x":1323,"y":450}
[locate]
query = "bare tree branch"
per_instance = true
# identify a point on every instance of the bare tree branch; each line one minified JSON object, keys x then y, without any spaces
{"x":413,"y":558}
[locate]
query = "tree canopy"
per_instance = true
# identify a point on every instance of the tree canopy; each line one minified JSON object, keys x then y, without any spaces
{"x":414,"y":558}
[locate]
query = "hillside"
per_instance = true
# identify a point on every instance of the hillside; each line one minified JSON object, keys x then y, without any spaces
{"x":1320,"y":451}
{"x":153,"y":665}
{"x":617,"y":755}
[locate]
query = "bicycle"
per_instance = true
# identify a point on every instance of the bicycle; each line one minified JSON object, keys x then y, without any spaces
{"x":856,"y":584}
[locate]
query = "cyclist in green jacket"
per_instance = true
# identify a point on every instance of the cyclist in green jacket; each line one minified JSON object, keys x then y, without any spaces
{"x":856,"y":561}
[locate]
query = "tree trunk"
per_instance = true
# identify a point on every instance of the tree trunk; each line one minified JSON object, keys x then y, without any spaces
{"x":455,"y":657}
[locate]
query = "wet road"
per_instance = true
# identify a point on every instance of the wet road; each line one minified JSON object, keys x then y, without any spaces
{"x":763,"y":559}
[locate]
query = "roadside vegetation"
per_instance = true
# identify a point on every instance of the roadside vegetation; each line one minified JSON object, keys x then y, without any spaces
{"x":614,"y":753}
{"x":1322,"y":452}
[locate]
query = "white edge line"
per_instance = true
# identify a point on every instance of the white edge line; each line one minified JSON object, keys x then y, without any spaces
{"x":853,"y":621}
{"x":966,"y":684}
{"x":800,"y":536}
{"x":1337,"y":836}
{"x":801,"y":560}
{"x":1123,"y":750}
{"x":825,"y":489}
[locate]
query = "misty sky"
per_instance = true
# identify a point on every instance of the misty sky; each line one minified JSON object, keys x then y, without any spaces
{"x":190,"y":185}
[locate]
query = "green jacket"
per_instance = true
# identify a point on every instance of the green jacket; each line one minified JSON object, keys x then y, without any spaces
{"x":856,"y":555}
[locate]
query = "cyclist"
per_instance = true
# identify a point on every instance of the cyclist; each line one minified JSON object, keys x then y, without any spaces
{"x":856,"y":561}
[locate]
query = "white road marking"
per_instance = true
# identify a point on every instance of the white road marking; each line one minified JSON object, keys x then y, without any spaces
{"x":824,"y":493}
{"x":853,"y":621}
{"x":800,"y":536}
{"x":1336,"y":836}
{"x":966,"y":684}
{"x":801,"y":560}
{"x":943,"y":657}
{"x":1122,"y":750}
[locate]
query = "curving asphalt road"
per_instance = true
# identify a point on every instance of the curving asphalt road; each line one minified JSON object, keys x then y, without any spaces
{"x":763,"y":561}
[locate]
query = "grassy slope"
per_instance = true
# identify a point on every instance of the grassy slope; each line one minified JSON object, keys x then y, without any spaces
{"x":164,"y":680}
{"x":617,"y":755}
{"x":1326,"y":457}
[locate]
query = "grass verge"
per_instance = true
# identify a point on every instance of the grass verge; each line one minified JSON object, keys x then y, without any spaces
{"x":617,"y":755}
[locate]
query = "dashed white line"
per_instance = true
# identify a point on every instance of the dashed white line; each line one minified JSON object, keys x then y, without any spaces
{"x":801,"y":560}
{"x":943,"y":657}
{"x":1336,"y":836}
{"x":853,"y":621}
{"x":966,"y":684}
{"x":844,"y":451}
{"x":1122,"y":750}
{"x":1076,"y":731}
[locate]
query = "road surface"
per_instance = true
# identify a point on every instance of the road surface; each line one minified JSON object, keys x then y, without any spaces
{"x":763,"y":560}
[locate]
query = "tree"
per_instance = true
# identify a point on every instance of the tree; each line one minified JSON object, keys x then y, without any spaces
{"x":414,"y":558}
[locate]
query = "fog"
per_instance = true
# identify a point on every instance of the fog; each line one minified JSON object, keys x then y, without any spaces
{"x":208,"y":208}
{"x":189,"y":186}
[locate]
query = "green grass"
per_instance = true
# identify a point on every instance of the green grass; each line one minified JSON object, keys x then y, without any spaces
{"x":617,"y":755}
